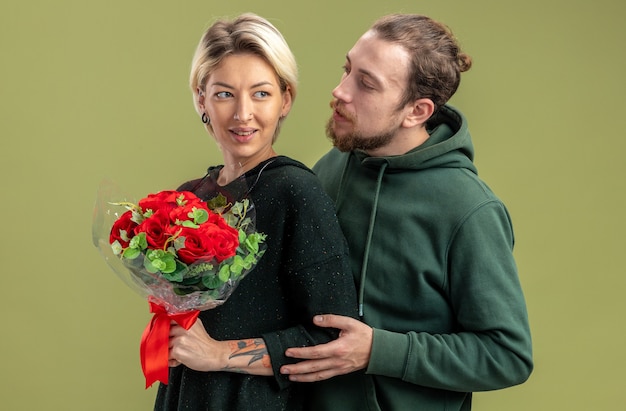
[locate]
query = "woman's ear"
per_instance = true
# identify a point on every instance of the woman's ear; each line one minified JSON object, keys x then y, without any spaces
{"x":287,"y":102}
{"x":419,"y":112}
{"x":199,"y":100}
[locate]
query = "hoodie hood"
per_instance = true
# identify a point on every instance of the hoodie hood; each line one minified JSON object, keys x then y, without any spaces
{"x":449,"y":145}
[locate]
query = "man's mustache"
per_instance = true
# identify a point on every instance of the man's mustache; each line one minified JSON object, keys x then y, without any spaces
{"x":336,"y":106}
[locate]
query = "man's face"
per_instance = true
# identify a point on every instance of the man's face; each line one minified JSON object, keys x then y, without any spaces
{"x":365,"y":104}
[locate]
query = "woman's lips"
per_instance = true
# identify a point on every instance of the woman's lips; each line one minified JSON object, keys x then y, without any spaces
{"x":243,"y":136}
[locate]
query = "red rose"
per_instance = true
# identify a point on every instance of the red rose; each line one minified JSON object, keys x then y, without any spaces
{"x":167,"y":200}
{"x":207,"y":242}
{"x":198,"y":247}
{"x":156,"y":228}
{"x":218,"y":220}
{"x":122,"y":229}
{"x":225,"y":238}
{"x":182,"y":213}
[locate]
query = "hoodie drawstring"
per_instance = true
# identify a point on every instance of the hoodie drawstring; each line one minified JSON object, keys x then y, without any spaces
{"x":370,"y":232}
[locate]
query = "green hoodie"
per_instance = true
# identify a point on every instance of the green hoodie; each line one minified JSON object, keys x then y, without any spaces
{"x":431,"y":251}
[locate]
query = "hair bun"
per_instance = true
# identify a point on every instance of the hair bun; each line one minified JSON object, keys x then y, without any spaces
{"x":465,"y":62}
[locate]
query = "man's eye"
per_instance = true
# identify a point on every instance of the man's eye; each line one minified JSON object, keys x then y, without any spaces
{"x":366,"y":85}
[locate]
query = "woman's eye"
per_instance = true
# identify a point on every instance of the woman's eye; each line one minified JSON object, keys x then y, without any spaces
{"x":346,"y":69}
{"x":261,"y":94}
{"x":223,"y":94}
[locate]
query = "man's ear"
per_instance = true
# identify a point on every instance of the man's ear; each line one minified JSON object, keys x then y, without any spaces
{"x":419,"y":112}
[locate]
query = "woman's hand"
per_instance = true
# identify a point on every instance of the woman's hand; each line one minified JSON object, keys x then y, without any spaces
{"x":197,"y":350}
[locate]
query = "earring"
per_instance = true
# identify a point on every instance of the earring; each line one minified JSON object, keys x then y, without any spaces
{"x":206,"y":119}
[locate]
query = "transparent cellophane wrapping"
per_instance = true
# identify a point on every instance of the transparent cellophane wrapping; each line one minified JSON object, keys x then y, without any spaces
{"x":176,"y":297}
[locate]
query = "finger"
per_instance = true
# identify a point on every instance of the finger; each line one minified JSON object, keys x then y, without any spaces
{"x":334,"y":321}
{"x":307,"y":367}
{"x":175,"y":329}
{"x":313,"y":377}
{"x":312,"y":352}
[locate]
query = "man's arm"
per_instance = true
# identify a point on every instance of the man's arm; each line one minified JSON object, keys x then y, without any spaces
{"x":490,"y":348}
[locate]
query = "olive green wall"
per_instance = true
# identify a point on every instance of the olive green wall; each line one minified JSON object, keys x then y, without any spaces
{"x":98,"y":89}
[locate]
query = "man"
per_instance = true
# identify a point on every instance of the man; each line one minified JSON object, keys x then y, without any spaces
{"x":443,"y":313}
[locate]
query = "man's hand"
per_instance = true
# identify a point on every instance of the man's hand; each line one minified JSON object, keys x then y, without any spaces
{"x":350,"y":352}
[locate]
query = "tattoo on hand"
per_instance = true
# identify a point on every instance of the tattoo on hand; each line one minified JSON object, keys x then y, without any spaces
{"x":254,"y":348}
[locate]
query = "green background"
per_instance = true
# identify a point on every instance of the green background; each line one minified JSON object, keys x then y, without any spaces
{"x":93,"y":90}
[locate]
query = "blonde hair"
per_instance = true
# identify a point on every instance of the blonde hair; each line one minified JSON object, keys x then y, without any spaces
{"x":247,"y":33}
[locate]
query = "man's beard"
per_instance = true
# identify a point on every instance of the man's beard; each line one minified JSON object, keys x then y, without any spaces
{"x":356,"y":141}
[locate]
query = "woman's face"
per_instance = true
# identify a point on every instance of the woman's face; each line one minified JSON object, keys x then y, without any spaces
{"x":244,"y":101}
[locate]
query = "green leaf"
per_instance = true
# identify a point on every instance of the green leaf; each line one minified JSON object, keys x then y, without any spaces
{"x":161,"y":260}
{"x":251,"y":245}
{"x":217,"y":203}
{"x":199,"y":215}
{"x":253,"y":240}
{"x":214,"y":295}
{"x":147,"y":264}
{"x":170,"y":265}
{"x":131,"y":253}
{"x":137,"y":217}
{"x":211,"y":281}
{"x":174,"y":276}
{"x":180,"y":200}
{"x":237,"y":208}
{"x":230,"y":219}
{"x":116,"y":247}
{"x":159,"y":264}
{"x":244,"y":223}
{"x":124,"y":235}
{"x":181,"y":290}
{"x":179,"y":242}
{"x":224,"y":274}
{"x":249,"y":261}
{"x":190,"y":280}
{"x":237,"y":266}
{"x":139,"y":241}
{"x":190,"y":224}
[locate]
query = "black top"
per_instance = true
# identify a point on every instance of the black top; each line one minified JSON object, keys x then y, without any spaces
{"x":304,"y":271}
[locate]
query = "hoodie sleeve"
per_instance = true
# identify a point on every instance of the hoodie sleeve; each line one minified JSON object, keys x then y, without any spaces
{"x":491,"y":349}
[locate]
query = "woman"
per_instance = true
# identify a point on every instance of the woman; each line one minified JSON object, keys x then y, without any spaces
{"x":243,"y":80}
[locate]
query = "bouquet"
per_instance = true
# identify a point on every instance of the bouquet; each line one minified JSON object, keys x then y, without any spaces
{"x":184,"y":254}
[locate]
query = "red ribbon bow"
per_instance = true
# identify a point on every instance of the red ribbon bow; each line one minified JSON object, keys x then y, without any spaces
{"x":154,"y":349}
